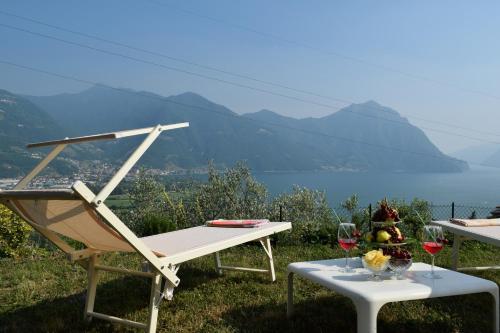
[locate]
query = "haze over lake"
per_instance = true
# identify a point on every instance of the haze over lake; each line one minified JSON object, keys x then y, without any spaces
{"x":477,"y":187}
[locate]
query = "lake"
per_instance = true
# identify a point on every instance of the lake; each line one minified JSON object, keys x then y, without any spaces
{"x":479,"y":186}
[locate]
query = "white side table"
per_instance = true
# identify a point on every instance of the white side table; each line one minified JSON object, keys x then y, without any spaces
{"x":488,"y":235}
{"x":369,"y":297}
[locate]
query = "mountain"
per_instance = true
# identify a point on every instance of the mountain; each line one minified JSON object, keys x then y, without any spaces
{"x":22,"y":122}
{"x":493,"y":160}
{"x":479,"y":154}
{"x":366,"y":136}
{"x":361,"y":137}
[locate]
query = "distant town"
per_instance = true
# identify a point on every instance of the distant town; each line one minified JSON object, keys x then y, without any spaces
{"x":92,"y":173}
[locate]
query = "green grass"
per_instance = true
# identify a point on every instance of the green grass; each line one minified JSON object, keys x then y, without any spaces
{"x":47,"y":295}
{"x":119,"y":201}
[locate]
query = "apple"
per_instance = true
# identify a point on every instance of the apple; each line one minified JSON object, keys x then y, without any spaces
{"x":369,"y":237}
{"x":400,"y":235}
{"x":383,"y":236}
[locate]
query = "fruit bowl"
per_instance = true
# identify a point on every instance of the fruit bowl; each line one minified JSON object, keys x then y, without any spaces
{"x":376,"y":262}
{"x":375,"y":270}
{"x":399,"y":266}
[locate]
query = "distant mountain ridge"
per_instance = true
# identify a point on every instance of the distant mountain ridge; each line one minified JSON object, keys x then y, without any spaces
{"x":22,"y":122}
{"x":359,"y":137}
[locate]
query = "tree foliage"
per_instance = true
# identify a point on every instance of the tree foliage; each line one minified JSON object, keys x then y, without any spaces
{"x":414,"y":216}
{"x":312,"y":219}
{"x":14,"y":233}
{"x":152,"y":209}
{"x":233,"y":193}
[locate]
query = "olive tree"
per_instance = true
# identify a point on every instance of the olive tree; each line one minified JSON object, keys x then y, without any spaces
{"x":233,"y":193}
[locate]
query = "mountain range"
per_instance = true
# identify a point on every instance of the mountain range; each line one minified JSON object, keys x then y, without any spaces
{"x":485,"y":154}
{"x":360,"y":137}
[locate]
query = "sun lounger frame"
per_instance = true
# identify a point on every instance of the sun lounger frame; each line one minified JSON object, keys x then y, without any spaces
{"x":156,"y":268}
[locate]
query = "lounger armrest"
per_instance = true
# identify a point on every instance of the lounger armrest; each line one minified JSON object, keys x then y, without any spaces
{"x":105,"y":136}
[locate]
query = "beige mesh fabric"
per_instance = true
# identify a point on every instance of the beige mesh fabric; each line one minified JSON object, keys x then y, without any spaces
{"x":74,"y":219}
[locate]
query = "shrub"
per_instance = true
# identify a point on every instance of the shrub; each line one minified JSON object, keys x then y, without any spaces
{"x":414,"y":216}
{"x":156,"y":224}
{"x":14,"y":233}
{"x":312,"y":219}
{"x":152,"y":208}
{"x":360,"y":217}
{"x":233,"y":193}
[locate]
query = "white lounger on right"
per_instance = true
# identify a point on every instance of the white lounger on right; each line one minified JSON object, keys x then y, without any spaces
{"x":486,"y":234}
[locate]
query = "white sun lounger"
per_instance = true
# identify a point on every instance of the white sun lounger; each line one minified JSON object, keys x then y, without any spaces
{"x":79,"y":214}
{"x":489,"y":235}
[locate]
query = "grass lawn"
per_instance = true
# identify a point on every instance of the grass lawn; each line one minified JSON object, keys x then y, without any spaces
{"x":47,"y":295}
{"x":118,"y":201}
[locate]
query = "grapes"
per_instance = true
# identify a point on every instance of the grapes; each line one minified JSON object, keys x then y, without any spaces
{"x":385,"y":212}
{"x":397,"y":253}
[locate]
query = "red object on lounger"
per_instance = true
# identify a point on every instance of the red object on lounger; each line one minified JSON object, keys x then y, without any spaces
{"x":236,"y":223}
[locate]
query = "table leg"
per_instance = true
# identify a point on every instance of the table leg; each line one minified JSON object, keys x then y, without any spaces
{"x":367,"y":316}
{"x":457,"y":240}
{"x":289,"y":303}
{"x":496,"y":308}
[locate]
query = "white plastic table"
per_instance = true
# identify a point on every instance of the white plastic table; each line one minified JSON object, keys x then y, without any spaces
{"x":489,"y":235}
{"x":369,"y":296}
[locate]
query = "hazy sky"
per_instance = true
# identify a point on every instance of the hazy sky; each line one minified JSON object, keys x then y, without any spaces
{"x":453,"y":43}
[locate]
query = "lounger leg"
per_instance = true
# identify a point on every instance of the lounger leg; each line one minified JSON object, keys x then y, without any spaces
{"x":91,"y":287}
{"x":154,"y":303}
{"x":217,"y":263}
{"x":168,"y":288}
{"x":266,"y":243}
{"x":457,"y":241}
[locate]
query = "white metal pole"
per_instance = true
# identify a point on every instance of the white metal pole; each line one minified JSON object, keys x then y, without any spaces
{"x":36,"y":170}
{"x":122,"y":172}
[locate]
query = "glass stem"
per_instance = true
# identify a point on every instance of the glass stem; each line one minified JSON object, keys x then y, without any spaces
{"x":346,"y":256}
{"x":432,"y":266}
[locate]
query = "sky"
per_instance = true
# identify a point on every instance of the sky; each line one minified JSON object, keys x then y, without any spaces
{"x":432,"y":60}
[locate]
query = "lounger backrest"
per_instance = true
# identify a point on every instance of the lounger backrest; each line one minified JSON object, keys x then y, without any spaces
{"x":65,"y":214}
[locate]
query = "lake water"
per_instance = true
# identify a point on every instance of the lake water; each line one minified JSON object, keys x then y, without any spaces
{"x":479,"y":186}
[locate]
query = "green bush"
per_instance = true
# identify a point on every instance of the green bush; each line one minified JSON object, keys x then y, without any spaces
{"x":152,"y":210}
{"x":156,"y":224}
{"x":14,"y":233}
{"x":231,"y":194}
{"x":312,"y":219}
{"x":414,"y":215}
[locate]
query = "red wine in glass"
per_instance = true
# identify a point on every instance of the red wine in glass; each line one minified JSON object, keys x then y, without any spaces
{"x":347,"y":241}
{"x":432,"y":244}
{"x":432,"y":247}
{"x":347,"y":244}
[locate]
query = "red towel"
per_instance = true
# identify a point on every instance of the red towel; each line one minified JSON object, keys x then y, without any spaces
{"x":237,"y":223}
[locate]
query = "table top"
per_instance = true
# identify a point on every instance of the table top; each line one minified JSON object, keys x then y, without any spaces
{"x":357,"y":285}
{"x":489,"y":234}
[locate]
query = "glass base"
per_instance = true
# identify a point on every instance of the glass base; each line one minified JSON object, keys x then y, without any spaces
{"x":430,"y":275}
{"x":375,"y":278}
{"x":347,"y":269}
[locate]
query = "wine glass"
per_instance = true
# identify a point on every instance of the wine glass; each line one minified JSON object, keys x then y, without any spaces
{"x":347,"y":240}
{"x":432,"y":244}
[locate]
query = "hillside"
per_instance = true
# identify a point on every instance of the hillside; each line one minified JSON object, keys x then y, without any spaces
{"x":268,"y":141}
{"x":493,"y":160}
{"x":22,"y":122}
{"x":478,"y":154}
{"x":367,"y":136}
